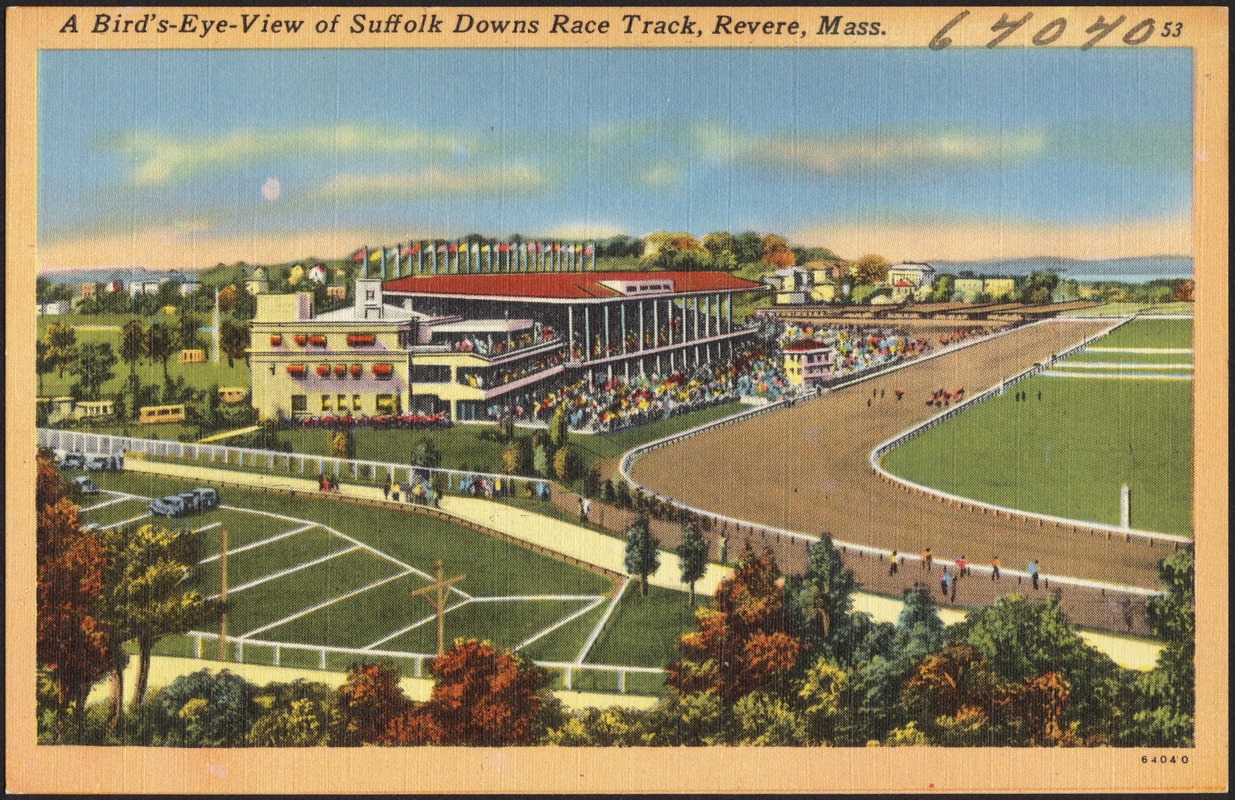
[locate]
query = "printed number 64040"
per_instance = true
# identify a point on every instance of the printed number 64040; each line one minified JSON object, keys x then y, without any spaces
{"x":1054,"y":29}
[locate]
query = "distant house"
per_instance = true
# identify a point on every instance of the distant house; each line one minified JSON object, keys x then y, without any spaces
{"x":968,"y":289}
{"x":808,"y":361}
{"x":146,"y":285}
{"x":87,"y":290}
{"x":910,"y":280}
{"x":336,"y":292}
{"x":189,"y":285}
{"x":55,"y":309}
{"x":317,"y":273}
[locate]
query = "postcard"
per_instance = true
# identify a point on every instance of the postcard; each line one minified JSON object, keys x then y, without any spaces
{"x":616,"y":400}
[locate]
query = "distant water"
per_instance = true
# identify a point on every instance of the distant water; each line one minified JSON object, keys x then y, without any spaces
{"x":1126,"y":270}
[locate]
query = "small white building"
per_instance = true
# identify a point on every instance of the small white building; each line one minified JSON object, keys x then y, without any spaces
{"x":55,"y":309}
{"x":317,"y":273}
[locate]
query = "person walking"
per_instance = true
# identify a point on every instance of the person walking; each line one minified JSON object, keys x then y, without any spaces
{"x":995,"y":568}
{"x":962,"y":567}
{"x":1033,"y":573}
{"x":892,"y":568}
{"x":868,"y":402}
{"x":945,"y":581}
{"x":927,"y":557}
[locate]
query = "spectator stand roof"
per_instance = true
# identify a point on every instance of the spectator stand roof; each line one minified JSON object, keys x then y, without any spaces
{"x":562,"y":286}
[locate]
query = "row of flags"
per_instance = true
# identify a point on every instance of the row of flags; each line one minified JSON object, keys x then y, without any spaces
{"x":442,"y":258}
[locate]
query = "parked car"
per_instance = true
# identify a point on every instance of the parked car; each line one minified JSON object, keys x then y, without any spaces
{"x":73,"y":461}
{"x":170,"y":506}
{"x":175,"y":505}
{"x":105,"y":463}
{"x":85,"y":485}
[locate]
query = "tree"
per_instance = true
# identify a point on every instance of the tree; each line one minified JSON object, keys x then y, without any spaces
{"x":1169,"y":690}
{"x":160,"y":346}
{"x":558,"y":427}
{"x":365,"y":705}
{"x":1023,"y":639}
{"x":297,"y":715}
{"x":540,"y":460}
{"x":341,"y":444}
{"x":943,"y":288}
{"x":426,"y":454}
{"x":779,"y":258}
{"x":642,"y":555}
{"x":205,"y":709}
{"x":748,"y":247}
{"x":512,"y":457}
{"x":566,"y":464}
{"x":61,"y":342}
{"x":822,"y":600}
{"x":949,"y":695}
{"x":1038,"y":288}
{"x":765,"y":720}
{"x":822,"y":696}
{"x":234,"y":342}
{"x":718,"y":243}
{"x":871,"y":269}
{"x":481,"y":696}
{"x":149,"y":598}
{"x":295,"y":275}
{"x":744,"y":642}
{"x":93,"y":368}
{"x":43,"y":362}
{"x":71,"y":641}
{"x":1184,"y":292}
{"x":186,"y":332}
{"x":693,"y":556}
{"x":132,"y":350}
{"x":227,"y":298}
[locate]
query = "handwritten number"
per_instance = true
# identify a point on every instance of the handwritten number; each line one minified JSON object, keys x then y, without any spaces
{"x":1102,"y":28}
{"x":940,"y":41}
{"x":1011,"y":28}
{"x":1050,"y":32}
{"x":1172,"y":29}
{"x":1131,"y":36}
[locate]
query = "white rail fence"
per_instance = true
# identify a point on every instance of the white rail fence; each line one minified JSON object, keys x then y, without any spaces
{"x":276,"y":650}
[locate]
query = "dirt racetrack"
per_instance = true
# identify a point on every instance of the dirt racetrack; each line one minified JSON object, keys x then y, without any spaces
{"x":806,"y":468}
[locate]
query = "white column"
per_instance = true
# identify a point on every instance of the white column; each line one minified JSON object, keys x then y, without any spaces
{"x":570,"y":330}
{"x":605,"y":352}
{"x":641,"y":326}
{"x":622,"y":312}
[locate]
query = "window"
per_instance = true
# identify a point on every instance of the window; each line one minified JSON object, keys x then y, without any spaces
{"x":342,"y":402}
{"x":355,"y":402}
{"x":469,"y":410}
{"x":300,"y":402}
{"x":385,"y":404}
{"x":370,"y":294}
{"x":325,"y":402}
{"x":425,"y":373}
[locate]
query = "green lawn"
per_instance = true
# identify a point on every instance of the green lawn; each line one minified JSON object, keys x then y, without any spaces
{"x":644,"y":631}
{"x":1068,"y":454}
{"x":1123,"y":309}
{"x":1157,"y":333}
{"x":493,"y":568}
{"x":1086,"y":357}
{"x":116,"y":512}
{"x":564,"y":643}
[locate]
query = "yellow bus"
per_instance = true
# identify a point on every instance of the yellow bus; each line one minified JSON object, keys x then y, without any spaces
{"x":151,"y":414}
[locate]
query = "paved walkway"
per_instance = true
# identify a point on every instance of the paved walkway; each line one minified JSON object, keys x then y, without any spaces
{"x":228,"y":434}
{"x":573,"y":540}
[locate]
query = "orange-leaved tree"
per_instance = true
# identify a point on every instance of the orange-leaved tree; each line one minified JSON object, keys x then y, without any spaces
{"x":483,"y":695}
{"x":71,"y":642}
{"x":366,"y":704}
{"x":744,"y":641}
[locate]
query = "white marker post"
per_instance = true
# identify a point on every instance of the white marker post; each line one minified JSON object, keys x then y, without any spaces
{"x":1125,"y":508}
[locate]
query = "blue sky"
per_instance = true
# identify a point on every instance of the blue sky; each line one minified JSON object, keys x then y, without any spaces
{"x":285,"y":153}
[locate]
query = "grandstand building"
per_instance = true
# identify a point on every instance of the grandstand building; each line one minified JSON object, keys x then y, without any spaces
{"x":465,"y":344}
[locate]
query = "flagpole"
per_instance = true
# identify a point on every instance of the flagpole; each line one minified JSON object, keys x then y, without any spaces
{"x":364,"y":261}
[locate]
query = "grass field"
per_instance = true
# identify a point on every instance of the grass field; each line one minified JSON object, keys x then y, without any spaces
{"x":1125,"y":309}
{"x":1069,"y":453}
{"x":312,"y":571}
{"x":106,"y":328}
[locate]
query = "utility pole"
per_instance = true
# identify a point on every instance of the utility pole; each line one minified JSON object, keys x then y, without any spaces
{"x":223,"y":596}
{"x":438,"y":588}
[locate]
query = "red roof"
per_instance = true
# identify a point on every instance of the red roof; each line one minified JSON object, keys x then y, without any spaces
{"x":902,"y":283}
{"x":561,"y":285}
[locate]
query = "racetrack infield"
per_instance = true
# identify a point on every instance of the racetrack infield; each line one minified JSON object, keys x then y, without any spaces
{"x":806,"y":468}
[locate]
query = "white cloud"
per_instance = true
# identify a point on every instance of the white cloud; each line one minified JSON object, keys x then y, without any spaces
{"x":436,"y":182}
{"x":162,"y":159}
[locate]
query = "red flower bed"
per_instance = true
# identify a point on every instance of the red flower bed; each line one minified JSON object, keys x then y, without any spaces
{"x":323,"y":370}
{"x":340,"y":370}
{"x":361,"y":340}
{"x":275,"y":340}
{"x":317,"y":341}
{"x":355,"y":370}
{"x":383,"y":370}
{"x":301,"y":339}
{"x":295,"y":370}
